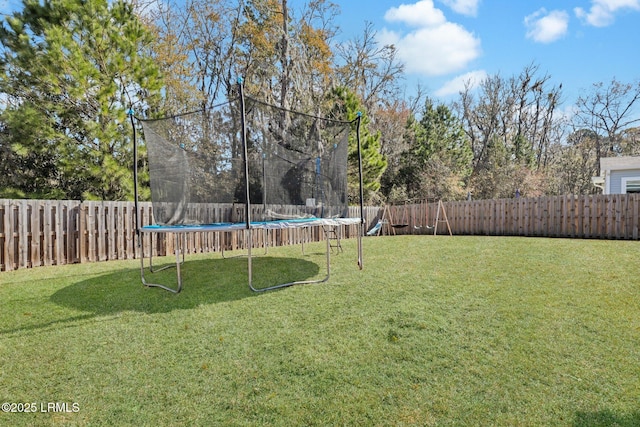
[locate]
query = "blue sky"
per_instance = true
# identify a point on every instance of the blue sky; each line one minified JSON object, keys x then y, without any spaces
{"x":446,"y":42}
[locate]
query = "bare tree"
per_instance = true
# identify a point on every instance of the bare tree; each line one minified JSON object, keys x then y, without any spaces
{"x":572,"y":164}
{"x":535,"y":104}
{"x":482,"y":116}
{"x":608,"y":111}
{"x":511,"y":124}
{"x":370,"y":70}
{"x":195,"y":47}
{"x":630,"y":142}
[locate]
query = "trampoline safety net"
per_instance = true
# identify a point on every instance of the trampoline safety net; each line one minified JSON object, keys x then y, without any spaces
{"x":297,"y":164}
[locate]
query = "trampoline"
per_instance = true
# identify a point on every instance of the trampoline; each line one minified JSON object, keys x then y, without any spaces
{"x":285,"y":169}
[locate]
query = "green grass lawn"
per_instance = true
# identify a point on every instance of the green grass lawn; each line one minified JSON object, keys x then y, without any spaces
{"x":459,"y":331}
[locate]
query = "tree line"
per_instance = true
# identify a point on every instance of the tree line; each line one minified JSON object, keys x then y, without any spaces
{"x":70,"y":71}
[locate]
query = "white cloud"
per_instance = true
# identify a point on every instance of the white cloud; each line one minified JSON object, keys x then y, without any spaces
{"x":472,"y":80}
{"x":566,"y":112}
{"x":420,"y":14}
{"x":602,"y":12}
{"x":436,"y":46}
{"x":547,"y":27}
{"x":463,"y":7}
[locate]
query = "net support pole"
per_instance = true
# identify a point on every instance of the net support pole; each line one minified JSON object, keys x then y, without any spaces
{"x":138,"y":234}
{"x":360,"y":231}
{"x":245,"y":159}
{"x":135,"y":171}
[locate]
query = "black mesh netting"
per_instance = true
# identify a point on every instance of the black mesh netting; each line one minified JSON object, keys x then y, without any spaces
{"x":297,"y":164}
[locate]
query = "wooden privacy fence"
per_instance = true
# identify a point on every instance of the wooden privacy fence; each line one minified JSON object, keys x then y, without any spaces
{"x":614,"y":216}
{"x":55,"y":232}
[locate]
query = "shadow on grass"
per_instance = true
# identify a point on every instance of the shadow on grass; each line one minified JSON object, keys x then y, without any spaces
{"x":204,"y":282}
{"x":606,"y":419}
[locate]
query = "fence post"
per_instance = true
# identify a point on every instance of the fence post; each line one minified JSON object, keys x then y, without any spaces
{"x":34,"y":232}
{"x":3,"y":235}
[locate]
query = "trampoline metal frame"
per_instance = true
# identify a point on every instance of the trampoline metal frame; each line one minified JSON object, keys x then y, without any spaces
{"x":177,"y":265}
{"x":248,"y":226}
{"x":180,"y":233}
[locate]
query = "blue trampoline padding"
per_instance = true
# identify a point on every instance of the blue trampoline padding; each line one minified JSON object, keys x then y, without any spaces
{"x":235,"y":226}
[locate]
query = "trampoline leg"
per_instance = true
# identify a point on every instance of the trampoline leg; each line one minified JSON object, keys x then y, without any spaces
{"x":151,"y":269}
{"x":249,"y":263}
{"x":360,"y":260}
{"x":326,"y":238}
{"x":266,"y":240}
{"x":265,"y":236}
{"x":178,"y":264}
{"x":178,"y":269}
{"x":284,"y":285}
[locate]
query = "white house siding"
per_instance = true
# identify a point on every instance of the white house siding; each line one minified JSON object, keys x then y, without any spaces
{"x":615,"y":179}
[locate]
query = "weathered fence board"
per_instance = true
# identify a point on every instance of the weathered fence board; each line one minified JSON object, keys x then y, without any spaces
{"x":56,"y":232}
{"x":46,"y":232}
{"x":614,"y":216}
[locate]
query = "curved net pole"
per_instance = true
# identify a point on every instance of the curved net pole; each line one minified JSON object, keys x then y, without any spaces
{"x":135,"y":174}
{"x":361,"y":228}
{"x":136,"y":197}
{"x":248,"y":229}
{"x":245,"y":159}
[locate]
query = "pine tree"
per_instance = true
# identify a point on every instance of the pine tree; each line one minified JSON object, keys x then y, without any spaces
{"x":70,"y":70}
{"x":374,"y":163}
